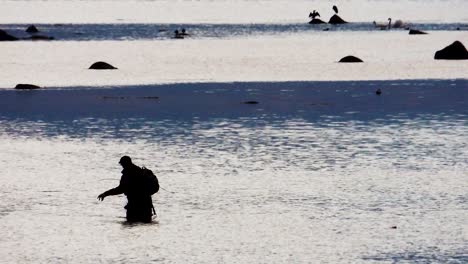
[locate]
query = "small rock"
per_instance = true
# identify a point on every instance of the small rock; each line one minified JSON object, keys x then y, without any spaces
{"x":378,"y":92}
{"x":100,"y":65}
{"x":23,"y":86}
{"x":350,"y":59}
{"x":32,"y":29}
{"x":335,"y":19}
{"x":416,"y":32}
{"x":251,"y":102}
{"x":455,"y":51}
{"x":114,"y":97}
{"x":394,"y":227}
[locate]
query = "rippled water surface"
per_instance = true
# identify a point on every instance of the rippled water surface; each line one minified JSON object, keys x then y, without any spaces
{"x":83,"y":32}
{"x":315,"y":172}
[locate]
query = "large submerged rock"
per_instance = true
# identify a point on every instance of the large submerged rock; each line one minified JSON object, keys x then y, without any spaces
{"x":6,"y":37}
{"x":100,"y":65}
{"x":335,"y":19}
{"x":455,"y":51}
{"x":350,"y":59}
{"x":24,"y":86}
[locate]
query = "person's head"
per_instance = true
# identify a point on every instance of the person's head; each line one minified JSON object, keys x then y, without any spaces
{"x":125,"y":161}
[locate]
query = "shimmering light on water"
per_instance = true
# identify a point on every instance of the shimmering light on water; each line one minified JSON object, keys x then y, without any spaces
{"x":270,"y":183}
{"x":317,"y":172}
{"x":86,"y":32}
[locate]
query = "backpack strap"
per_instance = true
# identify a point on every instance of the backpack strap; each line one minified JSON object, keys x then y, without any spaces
{"x":152,"y":207}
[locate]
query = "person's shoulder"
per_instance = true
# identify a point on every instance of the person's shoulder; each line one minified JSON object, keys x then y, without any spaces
{"x":135,"y":169}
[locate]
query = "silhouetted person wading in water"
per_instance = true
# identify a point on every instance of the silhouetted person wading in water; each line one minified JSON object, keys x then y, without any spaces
{"x":138,"y":184}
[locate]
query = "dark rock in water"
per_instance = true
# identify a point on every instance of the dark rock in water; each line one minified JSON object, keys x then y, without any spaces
{"x":40,"y":37}
{"x":23,"y":86}
{"x":6,"y":37}
{"x":114,"y":97}
{"x":316,"y":21}
{"x":335,"y":19}
{"x":32,"y":29}
{"x":455,"y":51}
{"x":100,"y":65}
{"x":326,"y":29}
{"x":350,"y":59}
{"x":251,"y":102}
{"x":378,"y":92}
{"x":150,"y":97}
{"x":416,"y":32}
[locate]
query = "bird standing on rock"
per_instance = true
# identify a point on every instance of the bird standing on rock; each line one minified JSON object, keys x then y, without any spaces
{"x":335,"y":9}
{"x":314,"y":14}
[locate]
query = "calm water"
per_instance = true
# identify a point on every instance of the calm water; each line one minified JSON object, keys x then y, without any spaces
{"x":316,"y":172}
{"x":228,"y":11}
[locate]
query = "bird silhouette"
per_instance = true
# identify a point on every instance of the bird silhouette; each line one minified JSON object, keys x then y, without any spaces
{"x":314,"y":14}
{"x":335,"y":9}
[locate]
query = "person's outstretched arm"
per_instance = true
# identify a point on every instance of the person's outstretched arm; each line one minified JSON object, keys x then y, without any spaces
{"x":115,"y":191}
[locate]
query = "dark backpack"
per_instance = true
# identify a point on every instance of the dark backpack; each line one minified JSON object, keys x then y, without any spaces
{"x":151,"y":181}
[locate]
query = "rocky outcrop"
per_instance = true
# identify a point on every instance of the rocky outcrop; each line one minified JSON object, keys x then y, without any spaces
{"x":32,"y":29}
{"x":350,"y":59}
{"x":455,"y":51}
{"x":416,"y":32}
{"x":100,"y":65}
{"x":335,"y":19}
{"x":6,"y":37}
{"x":316,"y":21}
{"x":23,"y":86}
